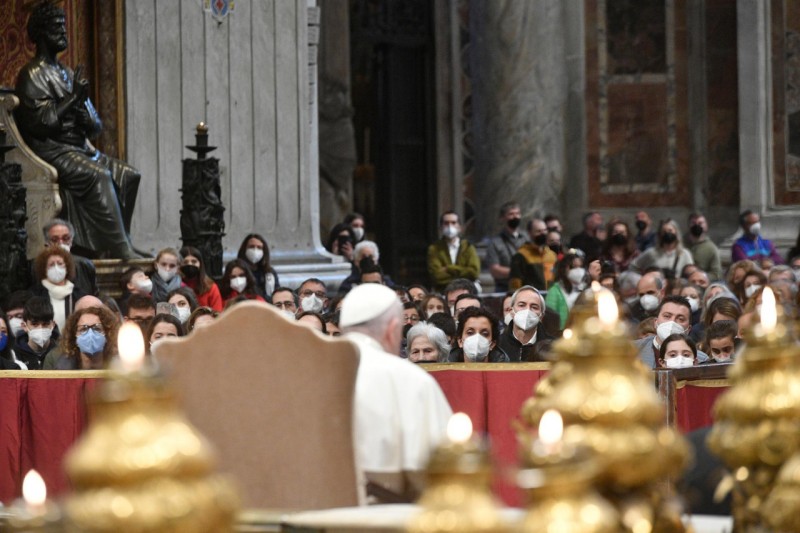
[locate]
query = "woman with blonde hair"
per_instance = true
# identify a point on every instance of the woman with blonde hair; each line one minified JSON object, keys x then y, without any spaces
{"x":669,"y":255}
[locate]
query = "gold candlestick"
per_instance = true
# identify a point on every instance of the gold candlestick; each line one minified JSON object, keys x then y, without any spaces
{"x":757,"y":422}
{"x":141,"y":466}
{"x":558,"y":480}
{"x":458,"y":498}
{"x":610,"y":406}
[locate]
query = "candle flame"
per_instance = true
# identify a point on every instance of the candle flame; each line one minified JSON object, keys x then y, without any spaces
{"x":131,"y":346}
{"x":34,"y":491}
{"x":551,"y":427}
{"x":459,"y":428}
{"x":769,"y":312}
{"x":607,"y":308}
{"x":596,"y":287}
{"x":567,"y":333}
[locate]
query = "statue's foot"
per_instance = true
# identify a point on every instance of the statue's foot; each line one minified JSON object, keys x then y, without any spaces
{"x":129,"y":254}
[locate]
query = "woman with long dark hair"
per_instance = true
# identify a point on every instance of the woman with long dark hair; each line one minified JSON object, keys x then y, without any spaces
{"x":254,"y":251}
{"x":193,"y":274}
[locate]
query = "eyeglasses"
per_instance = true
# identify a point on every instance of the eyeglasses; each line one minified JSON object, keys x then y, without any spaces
{"x":411,"y":318}
{"x":283,"y":305}
{"x":309,"y":292}
{"x":66,"y":239}
{"x":98,"y":328}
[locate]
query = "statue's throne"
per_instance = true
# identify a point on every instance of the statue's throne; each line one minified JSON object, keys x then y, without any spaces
{"x":40,"y":178}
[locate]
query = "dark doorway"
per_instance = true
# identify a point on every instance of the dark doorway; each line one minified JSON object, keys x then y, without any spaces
{"x":393,"y":96}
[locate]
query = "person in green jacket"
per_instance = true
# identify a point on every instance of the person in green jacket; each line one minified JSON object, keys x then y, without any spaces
{"x":571,"y":279}
{"x":452,"y":257}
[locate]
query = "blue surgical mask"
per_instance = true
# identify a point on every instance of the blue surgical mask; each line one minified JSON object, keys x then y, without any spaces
{"x":91,"y":342}
{"x":3,"y":340}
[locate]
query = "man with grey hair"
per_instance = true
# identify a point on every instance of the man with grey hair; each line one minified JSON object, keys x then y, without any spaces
{"x":525,"y":340}
{"x":651,"y":289}
{"x":60,"y":232}
{"x":393,"y":437}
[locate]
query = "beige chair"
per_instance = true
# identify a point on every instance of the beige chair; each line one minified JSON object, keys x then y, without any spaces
{"x":276,"y":400}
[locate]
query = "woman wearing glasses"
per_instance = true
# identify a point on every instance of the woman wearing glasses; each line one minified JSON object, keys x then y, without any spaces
{"x":88,"y":342}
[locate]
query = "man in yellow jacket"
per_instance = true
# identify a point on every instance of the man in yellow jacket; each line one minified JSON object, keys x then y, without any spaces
{"x":452,"y":257}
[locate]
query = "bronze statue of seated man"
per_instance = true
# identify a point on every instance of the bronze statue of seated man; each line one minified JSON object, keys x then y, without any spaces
{"x":56,"y":118}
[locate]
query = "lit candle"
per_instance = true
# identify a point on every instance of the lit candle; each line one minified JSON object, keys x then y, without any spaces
{"x":130,"y":344}
{"x":769,"y":312}
{"x":34,"y":492}
{"x":551,"y":429}
{"x":607,"y":309}
{"x":459,"y":428}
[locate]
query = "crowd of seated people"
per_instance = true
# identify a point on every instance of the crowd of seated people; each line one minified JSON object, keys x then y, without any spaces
{"x":682,"y":307}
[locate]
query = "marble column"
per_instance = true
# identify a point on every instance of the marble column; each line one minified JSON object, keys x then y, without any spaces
{"x":252,"y":78}
{"x":756,"y":129}
{"x":521,"y":83}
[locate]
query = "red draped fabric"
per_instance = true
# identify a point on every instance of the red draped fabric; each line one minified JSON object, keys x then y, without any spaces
{"x":695,"y":405}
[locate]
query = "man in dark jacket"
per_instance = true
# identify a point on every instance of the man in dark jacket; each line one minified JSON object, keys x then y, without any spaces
{"x":41,"y":334}
{"x":525,"y":340}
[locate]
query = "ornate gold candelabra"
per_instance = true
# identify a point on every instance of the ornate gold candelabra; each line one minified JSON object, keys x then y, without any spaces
{"x":610,"y":406}
{"x":458,"y":498}
{"x":141,"y":466}
{"x":558,"y":479}
{"x":757,"y":422}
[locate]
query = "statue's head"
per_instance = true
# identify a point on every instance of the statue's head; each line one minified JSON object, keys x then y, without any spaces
{"x":47,"y":24}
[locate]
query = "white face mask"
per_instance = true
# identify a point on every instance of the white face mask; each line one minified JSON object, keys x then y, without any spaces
{"x":526,"y":319}
{"x":238,"y":283}
{"x":165,"y":275}
{"x":56,"y":273}
{"x":15,"y":325}
{"x":450,"y":231}
{"x":40,"y":336}
{"x":65,"y":247}
{"x":649,"y":302}
{"x":476,"y":348}
{"x":755,"y":229}
{"x":576,"y":275}
{"x":508,"y":318}
{"x":183,"y":314}
{"x":288,"y":314}
{"x":751,"y":290}
{"x":359,"y":233}
{"x":145,"y":285}
{"x":311,"y":303}
{"x":722,"y":358}
{"x":679,"y":362}
{"x":694,"y":303}
{"x":666,"y":329}
{"x":254,"y":255}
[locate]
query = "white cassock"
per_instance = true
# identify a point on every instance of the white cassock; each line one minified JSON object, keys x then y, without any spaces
{"x":401,"y":414}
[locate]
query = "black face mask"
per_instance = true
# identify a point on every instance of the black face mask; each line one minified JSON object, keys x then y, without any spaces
{"x":696,"y":230}
{"x":641,"y":224}
{"x":190,"y":271}
{"x":513,"y":223}
{"x":555,"y":247}
{"x":669,"y":238}
{"x":540,"y":240}
{"x":618,"y":239}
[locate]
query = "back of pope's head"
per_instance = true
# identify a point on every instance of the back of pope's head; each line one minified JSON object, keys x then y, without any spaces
{"x":374,"y":310}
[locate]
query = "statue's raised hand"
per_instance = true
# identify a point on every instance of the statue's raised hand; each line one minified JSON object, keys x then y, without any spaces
{"x":80,"y":86}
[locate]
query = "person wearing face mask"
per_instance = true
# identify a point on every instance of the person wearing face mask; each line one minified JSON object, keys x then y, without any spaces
{"x":694,"y":295}
{"x":527,"y":339}
{"x":570,"y":281}
{"x":193,"y":274}
{"x":89,"y":341}
{"x":133,"y":281}
{"x":649,"y":291}
{"x":8,"y":359}
{"x":14,"y":306}
{"x":40,"y":336}
{"x":704,"y":252}
{"x":55,"y":271}
{"x":672,"y":318}
{"x":669,"y":255}
{"x":60,"y":233}
{"x":165,"y":275}
{"x":645,"y":234}
{"x":366,"y":257}
{"x":185,"y":303}
{"x":452,"y":257}
{"x":476,"y":336}
{"x":753,"y":282}
{"x":356,"y":223}
{"x":752,"y":246}
{"x":508,"y":312}
{"x":619,"y":249}
{"x":254,"y":251}
{"x":722,"y":341}
{"x":677,"y":351}
{"x":393,"y":436}
{"x":504,"y":245}
{"x":534,"y":262}
{"x":587,"y":240}
{"x":238,"y":280}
